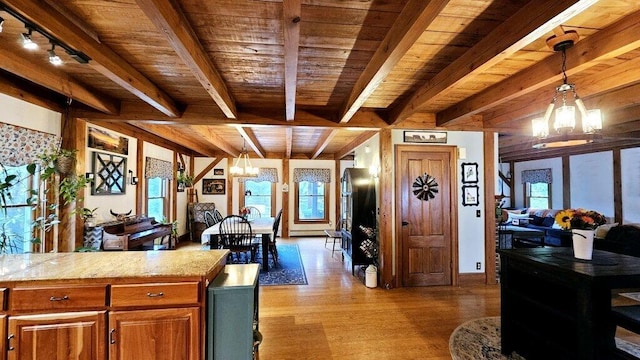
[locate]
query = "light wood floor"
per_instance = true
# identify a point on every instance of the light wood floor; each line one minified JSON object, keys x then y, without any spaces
{"x":336,"y":317}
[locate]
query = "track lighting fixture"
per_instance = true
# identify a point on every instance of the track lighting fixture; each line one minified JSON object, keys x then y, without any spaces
{"x":1,"y":24}
{"x":27,"y":42}
{"x":53,"y":58}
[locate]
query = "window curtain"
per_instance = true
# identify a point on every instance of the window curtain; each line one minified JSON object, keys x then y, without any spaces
{"x":158,"y":168}
{"x":536,"y":176}
{"x":265,"y":174}
{"x":21,"y":146}
{"x":312,"y":175}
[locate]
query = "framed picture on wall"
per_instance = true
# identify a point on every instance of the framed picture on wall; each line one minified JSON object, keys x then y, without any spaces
{"x":470,"y":195}
{"x":218,"y":172}
{"x":105,"y":140}
{"x":420,"y":136}
{"x":108,"y":174}
{"x":213,"y":186}
{"x":469,"y":172}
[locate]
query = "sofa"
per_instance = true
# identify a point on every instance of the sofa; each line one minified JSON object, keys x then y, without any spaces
{"x":539,"y":219}
{"x":622,"y":239}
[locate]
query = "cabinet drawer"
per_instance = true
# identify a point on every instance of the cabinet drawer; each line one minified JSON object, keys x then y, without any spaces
{"x":154,"y":294}
{"x":58,"y":298}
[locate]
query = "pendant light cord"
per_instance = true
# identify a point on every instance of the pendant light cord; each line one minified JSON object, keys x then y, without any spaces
{"x":564,"y":65}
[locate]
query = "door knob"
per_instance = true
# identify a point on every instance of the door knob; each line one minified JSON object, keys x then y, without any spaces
{"x":404,"y":223}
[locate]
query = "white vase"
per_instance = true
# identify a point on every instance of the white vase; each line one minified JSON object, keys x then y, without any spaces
{"x":583,"y":243}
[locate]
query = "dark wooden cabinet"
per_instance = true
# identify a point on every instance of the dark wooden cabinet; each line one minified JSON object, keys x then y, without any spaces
{"x":358,"y":208}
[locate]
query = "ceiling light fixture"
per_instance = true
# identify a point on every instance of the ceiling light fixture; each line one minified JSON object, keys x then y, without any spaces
{"x":564,"y":121}
{"x":242,"y":167}
{"x":27,"y":42}
{"x":1,"y":24}
{"x":53,"y":58}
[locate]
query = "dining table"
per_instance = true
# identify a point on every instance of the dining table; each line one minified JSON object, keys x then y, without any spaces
{"x":259,"y":226}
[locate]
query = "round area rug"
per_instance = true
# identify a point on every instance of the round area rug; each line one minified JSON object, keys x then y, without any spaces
{"x":479,"y":339}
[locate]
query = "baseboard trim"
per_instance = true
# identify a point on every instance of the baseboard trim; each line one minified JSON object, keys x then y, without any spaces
{"x":470,"y":279}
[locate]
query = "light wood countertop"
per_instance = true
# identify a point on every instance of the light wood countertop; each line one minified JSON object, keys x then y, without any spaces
{"x":109,"y":265}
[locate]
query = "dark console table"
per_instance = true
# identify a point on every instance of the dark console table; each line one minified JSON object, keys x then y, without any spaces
{"x":557,"y":307}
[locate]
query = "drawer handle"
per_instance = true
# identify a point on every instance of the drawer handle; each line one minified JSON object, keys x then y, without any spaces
{"x":112,"y":339}
{"x":9,"y":347}
{"x":64,"y":298}
{"x":160,"y":294}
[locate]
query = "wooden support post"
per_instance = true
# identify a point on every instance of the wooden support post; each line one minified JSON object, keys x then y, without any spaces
{"x":385,"y":219}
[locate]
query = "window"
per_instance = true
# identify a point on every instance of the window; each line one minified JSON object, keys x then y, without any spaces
{"x":537,"y":195}
{"x":17,"y":217}
{"x":312,"y":202}
{"x":157,"y":199}
{"x":260,"y":195}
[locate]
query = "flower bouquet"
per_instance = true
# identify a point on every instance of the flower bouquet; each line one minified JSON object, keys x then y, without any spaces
{"x":245,"y":211}
{"x":582,"y":224}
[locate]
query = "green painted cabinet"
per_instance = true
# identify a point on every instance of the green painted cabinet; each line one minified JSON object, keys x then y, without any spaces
{"x":232,"y":314}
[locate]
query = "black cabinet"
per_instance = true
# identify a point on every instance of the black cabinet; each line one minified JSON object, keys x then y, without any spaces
{"x":358,"y":208}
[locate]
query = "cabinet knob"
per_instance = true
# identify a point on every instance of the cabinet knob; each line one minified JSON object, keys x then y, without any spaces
{"x":54,"y":298}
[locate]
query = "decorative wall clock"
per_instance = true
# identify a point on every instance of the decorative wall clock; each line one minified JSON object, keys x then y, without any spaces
{"x":424,"y":187}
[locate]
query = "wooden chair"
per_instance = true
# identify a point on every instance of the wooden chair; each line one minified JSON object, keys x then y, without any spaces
{"x":209,"y":219}
{"x":237,"y":236}
{"x":217,"y":216}
{"x":273,"y":250}
{"x":254,"y":213}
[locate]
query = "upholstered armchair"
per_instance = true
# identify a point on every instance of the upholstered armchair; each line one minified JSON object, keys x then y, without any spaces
{"x":195,"y":216}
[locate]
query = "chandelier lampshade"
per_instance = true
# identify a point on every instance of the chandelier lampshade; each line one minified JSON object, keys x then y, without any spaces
{"x":242,"y":166}
{"x":565,"y":106}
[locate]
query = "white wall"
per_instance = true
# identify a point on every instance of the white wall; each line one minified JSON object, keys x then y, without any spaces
{"x":592,"y":182}
{"x":630,"y":163}
{"x":22,"y":113}
{"x":118,"y":203}
{"x":556,"y":175}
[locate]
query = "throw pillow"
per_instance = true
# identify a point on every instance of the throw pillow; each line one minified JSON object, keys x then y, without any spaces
{"x":548,"y":221}
{"x":536,"y":220}
{"x":602,"y":230}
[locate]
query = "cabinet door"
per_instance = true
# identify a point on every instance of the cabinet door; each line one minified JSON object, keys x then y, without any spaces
{"x":3,"y":335}
{"x":162,"y":334}
{"x":60,"y":336}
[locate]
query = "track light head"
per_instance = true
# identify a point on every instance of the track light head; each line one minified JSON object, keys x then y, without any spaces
{"x":27,"y":42}
{"x":1,"y":24}
{"x":54,"y":59}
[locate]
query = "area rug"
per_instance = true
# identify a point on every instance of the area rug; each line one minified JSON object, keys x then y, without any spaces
{"x":289,"y":270}
{"x":479,"y":339}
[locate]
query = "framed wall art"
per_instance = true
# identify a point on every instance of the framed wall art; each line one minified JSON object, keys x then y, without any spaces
{"x":438,"y":137}
{"x":105,"y":140}
{"x":470,"y":195}
{"x":213,"y":186}
{"x":108,"y":174}
{"x":469,"y":172}
{"x":218,"y":172}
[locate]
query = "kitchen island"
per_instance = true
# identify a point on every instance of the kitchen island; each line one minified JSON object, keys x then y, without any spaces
{"x":106,"y":305}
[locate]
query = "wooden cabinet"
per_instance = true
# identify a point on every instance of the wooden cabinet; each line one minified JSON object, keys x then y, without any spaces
{"x":162,"y":334}
{"x":57,"y":336}
{"x":358,"y":207}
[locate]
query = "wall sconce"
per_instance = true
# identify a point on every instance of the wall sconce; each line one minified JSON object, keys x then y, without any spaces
{"x":367,"y":149}
{"x":374,"y":171}
{"x":88,"y":176}
{"x":133,"y":180}
{"x":285,"y":187}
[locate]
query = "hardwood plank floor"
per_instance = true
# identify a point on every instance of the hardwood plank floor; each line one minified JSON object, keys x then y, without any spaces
{"x":336,"y":317}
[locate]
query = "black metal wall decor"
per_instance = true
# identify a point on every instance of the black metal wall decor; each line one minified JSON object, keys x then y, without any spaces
{"x":424,"y":187}
{"x":108,"y":174}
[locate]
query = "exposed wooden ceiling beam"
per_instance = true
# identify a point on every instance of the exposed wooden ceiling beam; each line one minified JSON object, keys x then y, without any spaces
{"x":524,"y":151}
{"x":57,"y":81}
{"x":171,"y":21}
{"x":291,"y":26}
{"x":359,"y":140}
{"x":9,"y":86}
{"x":324,"y":140}
{"x":146,"y":136}
{"x":416,"y":16}
{"x":527,"y":25}
{"x":252,"y":140}
{"x":615,"y":40}
{"x":179,"y":137}
{"x":103,"y":59}
{"x":288,"y":139}
{"x":208,"y":133}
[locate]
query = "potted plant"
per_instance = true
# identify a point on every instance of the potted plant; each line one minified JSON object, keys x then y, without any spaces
{"x":185,"y":179}
{"x":61,"y":161}
{"x":88,"y":215}
{"x":582,"y":224}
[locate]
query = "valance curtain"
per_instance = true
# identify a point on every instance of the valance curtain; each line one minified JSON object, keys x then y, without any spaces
{"x":312,"y":175}
{"x":158,"y":168}
{"x":265,"y":174}
{"x":536,"y":176}
{"x":21,"y":146}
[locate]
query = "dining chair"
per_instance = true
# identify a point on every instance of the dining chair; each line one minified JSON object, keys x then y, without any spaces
{"x":254,"y":213}
{"x":217,"y":216}
{"x":272,"y":243}
{"x":237,"y":236}
{"x":209,"y":219}
{"x":334,"y":236}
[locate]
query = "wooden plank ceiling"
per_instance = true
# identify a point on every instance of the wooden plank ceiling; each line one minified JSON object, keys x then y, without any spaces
{"x":316,"y":78}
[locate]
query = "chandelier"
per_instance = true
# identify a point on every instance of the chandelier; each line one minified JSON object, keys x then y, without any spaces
{"x":565,"y":101}
{"x":242,"y":166}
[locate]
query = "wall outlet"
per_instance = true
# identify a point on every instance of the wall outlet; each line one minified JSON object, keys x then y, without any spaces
{"x":478,"y":265}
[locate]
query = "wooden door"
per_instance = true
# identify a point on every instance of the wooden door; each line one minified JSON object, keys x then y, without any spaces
{"x":63,"y":336}
{"x":425,"y":181}
{"x":163,"y":334}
